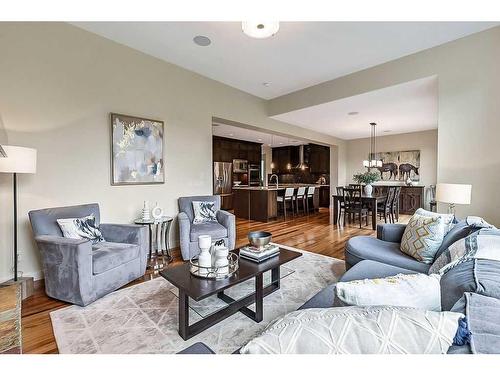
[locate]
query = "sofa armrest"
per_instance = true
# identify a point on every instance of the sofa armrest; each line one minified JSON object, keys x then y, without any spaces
{"x":67,"y":266}
{"x":390,"y":232}
{"x":128,"y":233}
{"x":228,"y":220}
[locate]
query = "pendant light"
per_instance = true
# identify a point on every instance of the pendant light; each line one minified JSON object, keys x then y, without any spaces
{"x":372,"y":162}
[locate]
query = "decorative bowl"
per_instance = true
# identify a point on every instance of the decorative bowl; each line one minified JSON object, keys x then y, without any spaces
{"x":236,"y":183}
{"x":259,"y":239}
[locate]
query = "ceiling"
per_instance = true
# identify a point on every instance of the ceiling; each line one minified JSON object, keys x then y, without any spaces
{"x":404,"y":108}
{"x":300,"y":55}
{"x":235,"y":132}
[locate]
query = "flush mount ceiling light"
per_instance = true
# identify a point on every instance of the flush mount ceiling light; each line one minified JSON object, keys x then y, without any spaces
{"x":260,"y":30}
{"x":202,"y":40}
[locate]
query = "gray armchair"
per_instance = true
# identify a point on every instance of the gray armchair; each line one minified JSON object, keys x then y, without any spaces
{"x":79,"y":272}
{"x":225,"y":228}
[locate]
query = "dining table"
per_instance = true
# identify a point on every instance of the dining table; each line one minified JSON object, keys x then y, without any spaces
{"x":371,"y":200}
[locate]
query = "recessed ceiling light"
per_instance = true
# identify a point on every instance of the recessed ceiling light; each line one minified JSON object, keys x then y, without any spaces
{"x":266,"y":84}
{"x":281,"y":143}
{"x":260,"y":30}
{"x":231,"y":134}
{"x":259,"y":139}
{"x":202,"y":40}
{"x":354,"y":113}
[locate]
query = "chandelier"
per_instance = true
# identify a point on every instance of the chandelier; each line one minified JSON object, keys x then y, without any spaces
{"x":372,"y":162}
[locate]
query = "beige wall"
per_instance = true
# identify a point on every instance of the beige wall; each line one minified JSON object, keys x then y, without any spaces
{"x":58,"y":85}
{"x":426,"y":142}
{"x":468,"y":121}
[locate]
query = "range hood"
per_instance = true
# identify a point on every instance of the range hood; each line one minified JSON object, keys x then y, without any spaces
{"x":302,"y":164}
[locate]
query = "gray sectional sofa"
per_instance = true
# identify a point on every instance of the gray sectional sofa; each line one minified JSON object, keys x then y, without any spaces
{"x":369,"y":257}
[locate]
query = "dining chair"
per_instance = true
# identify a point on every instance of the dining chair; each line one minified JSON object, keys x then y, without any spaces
{"x":385,"y":207}
{"x":340,"y":194}
{"x":356,"y":186}
{"x":287,"y":197}
{"x":310,"y":197}
{"x":354,"y":206}
{"x":395,"y":205}
{"x":300,"y":196}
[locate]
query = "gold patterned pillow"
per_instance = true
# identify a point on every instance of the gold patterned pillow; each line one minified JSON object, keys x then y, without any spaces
{"x":422,"y":237}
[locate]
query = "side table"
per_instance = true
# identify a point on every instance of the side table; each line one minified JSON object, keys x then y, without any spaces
{"x":159,"y":234}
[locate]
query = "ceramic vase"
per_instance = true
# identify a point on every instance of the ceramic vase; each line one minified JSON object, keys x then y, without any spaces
{"x":368,"y":189}
{"x":145,"y":211}
{"x":205,"y":258}
{"x":221,"y":262}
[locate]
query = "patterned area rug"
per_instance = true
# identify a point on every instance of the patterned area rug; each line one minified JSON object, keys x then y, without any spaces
{"x":143,"y":318}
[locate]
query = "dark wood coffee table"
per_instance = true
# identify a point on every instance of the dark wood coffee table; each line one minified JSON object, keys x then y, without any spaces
{"x":199,"y":288}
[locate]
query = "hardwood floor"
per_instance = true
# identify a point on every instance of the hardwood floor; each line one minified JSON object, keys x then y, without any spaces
{"x":313,"y":233}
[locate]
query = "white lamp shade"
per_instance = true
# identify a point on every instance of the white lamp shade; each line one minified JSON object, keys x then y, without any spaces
{"x":453,"y":193}
{"x":18,"y":160}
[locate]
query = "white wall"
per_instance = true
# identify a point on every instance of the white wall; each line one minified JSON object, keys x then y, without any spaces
{"x":426,"y":142}
{"x":58,"y":85}
{"x":468,"y":120}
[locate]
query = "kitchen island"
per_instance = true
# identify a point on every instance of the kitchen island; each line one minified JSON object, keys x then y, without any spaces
{"x":260,"y":203}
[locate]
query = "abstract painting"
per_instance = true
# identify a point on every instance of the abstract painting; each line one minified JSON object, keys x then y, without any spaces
{"x":136,"y":150}
{"x":399,"y":165}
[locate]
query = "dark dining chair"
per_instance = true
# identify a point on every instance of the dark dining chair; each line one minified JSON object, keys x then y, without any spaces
{"x":395,"y":205}
{"x":340,"y":193}
{"x":385,"y":207}
{"x":354,"y":206}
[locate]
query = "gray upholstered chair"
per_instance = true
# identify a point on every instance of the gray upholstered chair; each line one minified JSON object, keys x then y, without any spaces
{"x":225,"y":228}
{"x":79,"y":272}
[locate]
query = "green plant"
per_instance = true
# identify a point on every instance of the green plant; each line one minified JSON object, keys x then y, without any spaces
{"x":366,"y":178}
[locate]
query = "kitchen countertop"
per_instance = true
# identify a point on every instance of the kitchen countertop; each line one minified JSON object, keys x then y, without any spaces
{"x":272,"y":187}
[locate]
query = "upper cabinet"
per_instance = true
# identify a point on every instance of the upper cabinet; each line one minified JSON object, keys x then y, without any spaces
{"x":227,"y":149}
{"x":319,"y":158}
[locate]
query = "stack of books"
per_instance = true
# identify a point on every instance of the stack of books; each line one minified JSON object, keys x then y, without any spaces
{"x":259,"y":255}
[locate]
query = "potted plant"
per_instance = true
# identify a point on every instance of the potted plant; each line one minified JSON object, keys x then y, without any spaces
{"x":367,"y":178}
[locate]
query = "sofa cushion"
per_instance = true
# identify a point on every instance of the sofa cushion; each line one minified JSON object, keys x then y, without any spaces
{"x":422,"y":237}
{"x":358,"y":330}
{"x":365,"y":247}
{"x":215,"y":230}
{"x":460,"y":230}
{"x":480,"y":276}
{"x":448,"y":219}
{"x":108,"y":255}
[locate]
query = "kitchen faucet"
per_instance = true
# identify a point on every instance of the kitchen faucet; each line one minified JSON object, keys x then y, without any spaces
{"x":274,"y":175}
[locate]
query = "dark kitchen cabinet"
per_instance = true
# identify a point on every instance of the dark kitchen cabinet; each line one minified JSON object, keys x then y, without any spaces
{"x":281,"y":159}
{"x":324,"y":196}
{"x":227,"y":149}
{"x":319,"y":158}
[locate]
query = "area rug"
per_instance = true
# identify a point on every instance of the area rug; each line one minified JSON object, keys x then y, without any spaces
{"x":143,"y":318}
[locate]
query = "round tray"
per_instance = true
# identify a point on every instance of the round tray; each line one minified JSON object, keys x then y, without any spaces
{"x":215,"y":272}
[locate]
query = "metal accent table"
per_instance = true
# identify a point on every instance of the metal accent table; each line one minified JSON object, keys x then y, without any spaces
{"x":159,"y":229}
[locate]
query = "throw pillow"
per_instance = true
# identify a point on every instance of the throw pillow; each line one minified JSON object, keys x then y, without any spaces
{"x":422,"y":237}
{"x":448,"y":219}
{"x":412,"y":290}
{"x":204,"y":212}
{"x":81,"y":228}
{"x":358,"y":330}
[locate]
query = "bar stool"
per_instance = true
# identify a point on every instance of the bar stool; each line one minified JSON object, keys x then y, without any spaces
{"x":310,"y":196}
{"x":288,"y":197}
{"x":300,"y":196}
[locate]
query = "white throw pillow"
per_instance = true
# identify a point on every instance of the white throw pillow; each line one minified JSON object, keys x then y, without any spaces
{"x":358,"y":330}
{"x":204,"y":212}
{"x":414,"y":290}
{"x":81,"y":228}
{"x":447,"y":218}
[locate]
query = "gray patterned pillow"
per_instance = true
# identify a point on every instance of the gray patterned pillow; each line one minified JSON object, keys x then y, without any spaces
{"x":204,"y":212}
{"x":81,"y":228}
{"x":358,"y":330}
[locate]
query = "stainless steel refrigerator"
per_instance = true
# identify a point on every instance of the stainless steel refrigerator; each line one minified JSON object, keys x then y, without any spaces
{"x":223,"y":184}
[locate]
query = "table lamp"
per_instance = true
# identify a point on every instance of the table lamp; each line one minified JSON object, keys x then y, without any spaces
{"x":17,"y":160}
{"x":453,"y":194}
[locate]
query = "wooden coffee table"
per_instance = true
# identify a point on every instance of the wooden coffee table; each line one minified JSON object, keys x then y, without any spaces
{"x":199,"y":289}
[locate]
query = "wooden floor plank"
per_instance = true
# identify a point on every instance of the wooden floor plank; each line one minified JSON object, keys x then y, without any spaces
{"x":314,"y":232}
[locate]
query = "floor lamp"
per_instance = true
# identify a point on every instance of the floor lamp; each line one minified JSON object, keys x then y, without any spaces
{"x":17,"y":160}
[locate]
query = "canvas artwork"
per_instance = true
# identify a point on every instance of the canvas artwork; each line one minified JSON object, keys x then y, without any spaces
{"x":399,"y":165}
{"x":137,"y":150}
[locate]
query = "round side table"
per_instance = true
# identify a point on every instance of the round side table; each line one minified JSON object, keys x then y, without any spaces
{"x":159,"y":233}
